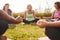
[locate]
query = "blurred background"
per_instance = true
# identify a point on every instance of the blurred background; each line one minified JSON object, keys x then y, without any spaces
{"x":43,"y":8}
{"x":20,"y":5}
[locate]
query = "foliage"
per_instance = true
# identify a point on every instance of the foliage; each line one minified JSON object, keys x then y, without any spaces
{"x":40,"y":15}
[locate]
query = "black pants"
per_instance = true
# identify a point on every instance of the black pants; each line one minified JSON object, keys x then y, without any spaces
{"x":28,"y":22}
{"x":3,"y":26}
{"x":52,"y":32}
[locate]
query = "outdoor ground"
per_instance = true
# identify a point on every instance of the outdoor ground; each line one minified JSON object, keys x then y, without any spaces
{"x":25,"y":32}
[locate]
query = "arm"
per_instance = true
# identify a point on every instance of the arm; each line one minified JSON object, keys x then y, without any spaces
{"x":34,"y":14}
{"x":42,"y":24}
{"x":53,"y":24}
{"x":24,"y":15}
{"x":8,"y":18}
{"x":52,"y":15}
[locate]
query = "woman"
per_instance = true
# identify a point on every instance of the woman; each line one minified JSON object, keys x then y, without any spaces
{"x":6,"y":9}
{"x":56,"y":13}
{"x":29,"y":15}
{"x":3,"y":25}
{"x":52,"y":28}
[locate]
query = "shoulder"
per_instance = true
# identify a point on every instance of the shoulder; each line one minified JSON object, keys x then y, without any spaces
{"x":2,"y":11}
{"x":33,"y":11}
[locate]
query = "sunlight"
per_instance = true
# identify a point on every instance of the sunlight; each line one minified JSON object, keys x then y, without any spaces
{"x":20,"y":5}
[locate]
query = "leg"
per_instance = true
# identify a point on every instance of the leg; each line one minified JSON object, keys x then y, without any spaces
{"x":3,"y":28}
{"x":35,"y":20}
{"x":57,"y":19}
{"x":49,"y":20}
{"x":26,"y":21}
{"x":53,"y":33}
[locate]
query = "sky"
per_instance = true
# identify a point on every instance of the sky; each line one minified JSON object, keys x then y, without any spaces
{"x":20,"y":5}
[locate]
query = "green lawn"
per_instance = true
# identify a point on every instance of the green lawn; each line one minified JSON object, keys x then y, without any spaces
{"x":25,"y":32}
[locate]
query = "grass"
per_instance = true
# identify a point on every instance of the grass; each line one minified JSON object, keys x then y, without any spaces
{"x":25,"y":32}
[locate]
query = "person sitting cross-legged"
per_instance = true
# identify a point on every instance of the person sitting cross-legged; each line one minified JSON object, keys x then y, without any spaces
{"x":29,"y":15}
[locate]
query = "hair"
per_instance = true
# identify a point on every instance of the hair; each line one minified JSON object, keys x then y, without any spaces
{"x":5,"y":5}
{"x":29,"y":5}
{"x":58,"y":4}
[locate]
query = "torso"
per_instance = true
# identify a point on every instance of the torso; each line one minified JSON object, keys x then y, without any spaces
{"x":56,"y":14}
{"x":29,"y":16}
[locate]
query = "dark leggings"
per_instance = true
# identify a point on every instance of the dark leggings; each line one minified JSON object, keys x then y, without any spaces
{"x":49,"y":20}
{"x":3,"y":27}
{"x":28,"y":22}
{"x":52,"y":32}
